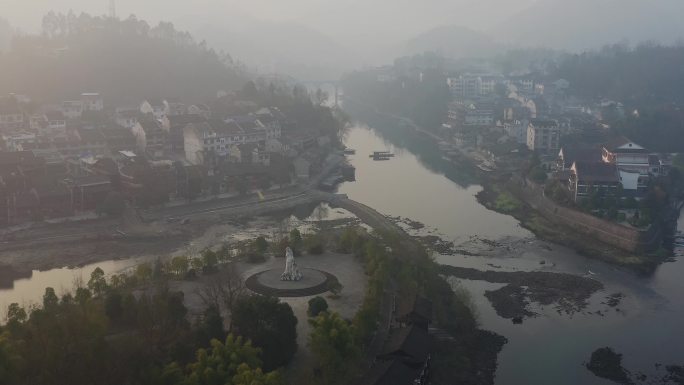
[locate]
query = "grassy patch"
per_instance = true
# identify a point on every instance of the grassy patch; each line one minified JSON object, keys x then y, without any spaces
{"x":506,"y":203}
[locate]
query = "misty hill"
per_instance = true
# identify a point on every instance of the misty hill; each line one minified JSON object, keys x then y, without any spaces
{"x":583,"y":24}
{"x":125,"y":60}
{"x":281,"y":47}
{"x":271,"y":46}
{"x":452,"y":41}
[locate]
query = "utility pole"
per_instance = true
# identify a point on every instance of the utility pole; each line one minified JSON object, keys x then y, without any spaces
{"x":112,"y":9}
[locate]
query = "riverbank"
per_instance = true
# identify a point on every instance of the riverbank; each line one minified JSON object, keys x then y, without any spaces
{"x":75,"y":244}
{"x":500,"y":195}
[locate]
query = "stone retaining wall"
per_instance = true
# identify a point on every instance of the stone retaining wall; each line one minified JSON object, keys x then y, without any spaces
{"x":626,"y":238}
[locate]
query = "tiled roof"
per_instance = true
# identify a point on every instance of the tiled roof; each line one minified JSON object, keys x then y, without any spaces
{"x":572,"y":154}
{"x":596,"y":172}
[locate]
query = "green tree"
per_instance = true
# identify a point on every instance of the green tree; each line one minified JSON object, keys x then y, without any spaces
{"x":295,"y":240}
{"x":316,"y":306}
{"x":16,"y":313}
{"x":180,"y":265}
{"x":97,"y":283}
{"x":83,"y":295}
{"x":538,"y":174}
{"x":197,"y":264}
{"x":315,"y":244}
{"x":9,"y":361}
{"x":350,"y":241}
{"x":333,"y":344}
{"x":211,"y":327}
{"x":220,"y":364}
{"x":248,"y":376}
{"x":50,"y":300}
{"x":113,"y":305}
{"x":270,"y":325}
{"x":209,"y":259}
{"x":144,"y":272}
{"x":261,"y":245}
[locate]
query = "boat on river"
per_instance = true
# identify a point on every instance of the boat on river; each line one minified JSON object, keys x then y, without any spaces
{"x":381,"y":155}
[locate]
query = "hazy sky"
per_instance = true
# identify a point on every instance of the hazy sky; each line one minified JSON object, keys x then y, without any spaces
{"x":320,"y":14}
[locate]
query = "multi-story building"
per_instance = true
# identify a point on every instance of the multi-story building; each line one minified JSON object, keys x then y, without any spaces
{"x":19,"y":141}
{"x":517,"y":129}
{"x":464,"y":86}
{"x":92,"y":101}
{"x":208,"y":143}
{"x":631,"y":159}
{"x":151,"y":137}
{"x":589,"y":177}
{"x":174,"y":107}
{"x":469,"y":86}
{"x":479,"y":115}
{"x":49,"y":123}
{"x":89,"y":101}
{"x":72,"y":109}
{"x":154,"y":107}
{"x":543,"y":135}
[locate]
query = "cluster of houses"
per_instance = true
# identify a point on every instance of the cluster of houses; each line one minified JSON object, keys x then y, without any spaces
{"x":618,"y":168}
{"x":539,"y":115}
{"x":406,"y":356}
{"x":65,"y":159}
{"x":476,"y":99}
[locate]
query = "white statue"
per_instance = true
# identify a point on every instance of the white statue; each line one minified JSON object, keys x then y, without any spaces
{"x":291,"y":272}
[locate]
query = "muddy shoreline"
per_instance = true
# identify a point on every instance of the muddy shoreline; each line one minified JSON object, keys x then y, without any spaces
{"x":567,"y":293}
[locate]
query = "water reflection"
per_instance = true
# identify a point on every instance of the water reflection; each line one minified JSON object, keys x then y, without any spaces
{"x":29,"y":291}
{"x":552,"y":347}
{"x":424,"y":148}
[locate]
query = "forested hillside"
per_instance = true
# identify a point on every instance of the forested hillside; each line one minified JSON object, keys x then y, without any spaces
{"x":648,"y":74}
{"x":125,"y":60}
{"x":648,"y":80}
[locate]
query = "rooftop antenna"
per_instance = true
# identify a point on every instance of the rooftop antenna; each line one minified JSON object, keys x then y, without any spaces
{"x":112,"y":9}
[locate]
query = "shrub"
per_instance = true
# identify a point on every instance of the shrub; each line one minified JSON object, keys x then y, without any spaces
{"x":538,"y":175}
{"x":253,"y":257}
{"x":316,"y":306}
{"x":260,"y":245}
{"x":335,"y":288}
{"x":314,"y":245}
{"x":506,"y":203}
{"x":295,"y":240}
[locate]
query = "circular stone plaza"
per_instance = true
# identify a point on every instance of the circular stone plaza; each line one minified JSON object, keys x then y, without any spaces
{"x":269,"y":283}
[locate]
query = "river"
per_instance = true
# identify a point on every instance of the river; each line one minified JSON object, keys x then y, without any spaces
{"x":551,"y":348}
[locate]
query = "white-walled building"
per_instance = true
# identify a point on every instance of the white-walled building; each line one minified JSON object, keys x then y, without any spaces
{"x":155,"y":108}
{"x":543,"y":135}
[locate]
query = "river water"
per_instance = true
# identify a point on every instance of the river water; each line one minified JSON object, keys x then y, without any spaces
{"x":551,"y":348}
